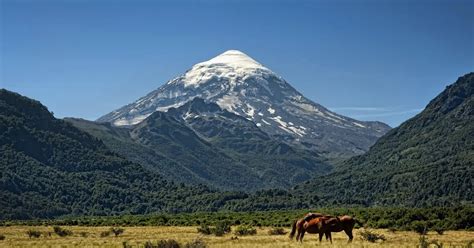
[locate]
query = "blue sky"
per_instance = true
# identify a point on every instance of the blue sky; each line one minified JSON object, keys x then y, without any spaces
{"x":371,"y":60}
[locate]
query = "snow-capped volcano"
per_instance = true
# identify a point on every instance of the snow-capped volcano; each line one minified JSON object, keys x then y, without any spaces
{"x":241,"y":85}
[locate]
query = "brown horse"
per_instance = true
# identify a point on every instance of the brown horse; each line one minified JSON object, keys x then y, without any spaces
{"x":298,"y":226}
{"x":324,"y":225}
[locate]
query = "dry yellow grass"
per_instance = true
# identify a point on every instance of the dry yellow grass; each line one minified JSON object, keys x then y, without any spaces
{"x":15,"y":236}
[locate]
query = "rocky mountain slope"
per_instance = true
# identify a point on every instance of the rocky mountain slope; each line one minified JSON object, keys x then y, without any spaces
{"x":199,"y":142}
{"x":242,"y":86}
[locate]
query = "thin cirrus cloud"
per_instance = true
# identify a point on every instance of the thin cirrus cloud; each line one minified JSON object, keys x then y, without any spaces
{"x":369,"y":112}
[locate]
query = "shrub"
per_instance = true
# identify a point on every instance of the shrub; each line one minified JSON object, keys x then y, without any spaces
{"x":221,"y":228}
{"x":2,"y":237}
{"x":105,"y":234}
{"x":204,"y":229}
{"x":116,"y":231}
{"x":371,"y":237}
{"x":61,"y":231}
{"x":33,"y":233}
{"x":198,"y":243}
{"x":419,"y":227}
{"x":439,"y":230}
{"x":245,"y":230}
{"x":277,"y":231}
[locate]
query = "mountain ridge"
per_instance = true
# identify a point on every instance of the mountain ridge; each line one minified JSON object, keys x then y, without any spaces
{"x":239,"y":84}
{"x":432,"y":152}
{"x":199,"y":142}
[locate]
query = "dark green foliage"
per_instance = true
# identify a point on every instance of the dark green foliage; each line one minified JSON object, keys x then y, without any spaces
{"x":277,"y":231}
{"x":439,"y":230}
{"x":61,"y":231}
{"x":245,"y":230}
{"x":221,"y":228}
{"x":33,"y":233}
{"x":371,"y":236}
{"x":49,"y":168}
{"x":116,"y":231}
{"x":426,"y":161}
{"x":419,"y":227}
{"x":395,"y":218}
{"x":204,"y":229}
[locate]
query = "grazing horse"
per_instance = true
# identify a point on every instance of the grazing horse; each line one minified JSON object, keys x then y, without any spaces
{"x":324,"y":225}
{"x":298,"y":225}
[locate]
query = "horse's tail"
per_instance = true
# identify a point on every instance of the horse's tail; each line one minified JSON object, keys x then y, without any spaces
{"x":359,"y":222}
{"x":293,"y":230}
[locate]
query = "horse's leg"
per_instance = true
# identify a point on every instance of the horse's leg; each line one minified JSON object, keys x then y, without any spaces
{"x":302,"y":235}
{"x":321,"y":236}
{"x":329,"y":235}
{"x":349,"y":234}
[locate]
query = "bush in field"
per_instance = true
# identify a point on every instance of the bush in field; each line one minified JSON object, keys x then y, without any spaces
{"x":419,"y":227}
{"x":371,"y":236}
{"x":198,"y":243}
{"x":277,"y":231}
{"x":33,"y":233}
{"x":84,"y":234}
{"x":245,"y":230}
{"x":61,"y":231}
{"x":116,"y":231}
{"x":221,"y":228}
{"x":105,"y":234}
{"x":204,"y":229}
{"x":2,"y":237}
{"x":439,"y":230}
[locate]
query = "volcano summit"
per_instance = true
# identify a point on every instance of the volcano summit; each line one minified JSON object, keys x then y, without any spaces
{"x":243,"y":86}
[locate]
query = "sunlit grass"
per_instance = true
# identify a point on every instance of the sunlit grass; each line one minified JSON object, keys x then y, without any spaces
{"x":15,"y":236}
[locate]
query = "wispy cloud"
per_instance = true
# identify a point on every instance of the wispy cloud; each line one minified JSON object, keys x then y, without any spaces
{"x":358,"y":108}
{"x":388,"y":113}
{"x":367,"y":112}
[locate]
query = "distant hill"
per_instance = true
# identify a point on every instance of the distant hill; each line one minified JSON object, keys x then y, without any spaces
{"x":49,"y":168}
{"x":428,"y":160}
{"x":200,"y":143}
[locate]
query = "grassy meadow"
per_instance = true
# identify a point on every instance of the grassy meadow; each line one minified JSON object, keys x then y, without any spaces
{"x":16,"y":236}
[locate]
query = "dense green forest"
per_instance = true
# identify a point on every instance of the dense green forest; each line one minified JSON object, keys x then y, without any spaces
{"x":426,"y":161}
{"x":49,"y":168}
{"x":396,"y":218}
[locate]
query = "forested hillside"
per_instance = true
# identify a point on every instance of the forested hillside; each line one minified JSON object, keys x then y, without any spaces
{"x":426,"y":161}
{"x":49,"y":168}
